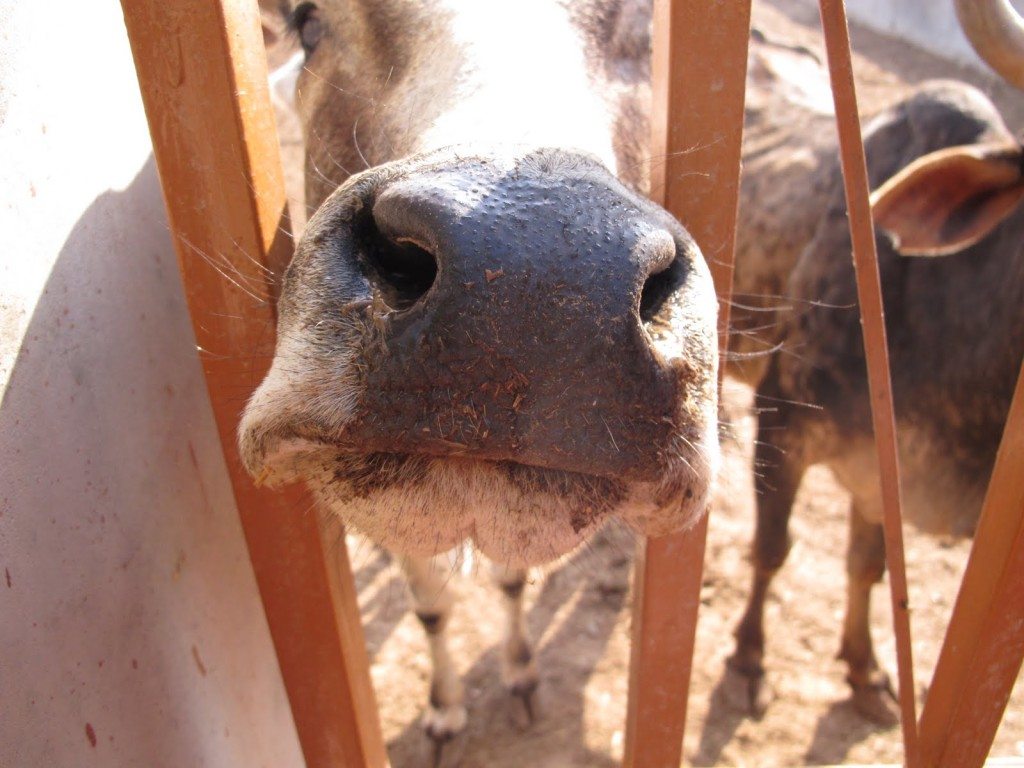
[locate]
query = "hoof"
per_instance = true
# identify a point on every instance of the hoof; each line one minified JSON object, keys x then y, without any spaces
{"x":526,"y":692}
{"x":442,"y":725}
{"x":521,"y":680}
{"x":744,"y":688}
{"x":876,"y":701}
{"x":438,"y":753}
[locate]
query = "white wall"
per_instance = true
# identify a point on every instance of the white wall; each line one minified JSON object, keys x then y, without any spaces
{"x":930,"y":24}
{"x":131,"y":632}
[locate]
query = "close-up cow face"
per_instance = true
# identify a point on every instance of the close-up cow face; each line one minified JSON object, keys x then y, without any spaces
{"x":485,"y":333}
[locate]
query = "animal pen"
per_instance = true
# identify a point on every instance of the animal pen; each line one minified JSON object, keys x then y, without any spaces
{"x":203,"y":74}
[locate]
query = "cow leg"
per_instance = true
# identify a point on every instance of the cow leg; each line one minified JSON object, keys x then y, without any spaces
{"x":778,"y":469}
{"x":518,"y":668}
{"x":445,"y":715}
{"x":873,"y":695}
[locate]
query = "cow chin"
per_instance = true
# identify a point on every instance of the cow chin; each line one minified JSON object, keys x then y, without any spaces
{"x":515,"y":514}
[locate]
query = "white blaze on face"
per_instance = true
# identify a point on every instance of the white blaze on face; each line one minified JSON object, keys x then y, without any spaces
{"x":525,"y":81}
{"x":804,"y":83}
{"x":793,"y":76}
{"x":284,"y":80}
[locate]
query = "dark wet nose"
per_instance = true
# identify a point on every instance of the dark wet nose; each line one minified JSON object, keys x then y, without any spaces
{"x":510,"y":317}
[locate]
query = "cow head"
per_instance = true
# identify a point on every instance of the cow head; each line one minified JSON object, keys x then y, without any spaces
{"x":484,"y":334}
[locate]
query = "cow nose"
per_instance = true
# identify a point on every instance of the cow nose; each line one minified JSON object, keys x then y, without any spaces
{"x":416,"y":224}
{"x":514,"y":314}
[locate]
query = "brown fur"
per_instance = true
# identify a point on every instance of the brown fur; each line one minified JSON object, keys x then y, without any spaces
{"x":788,"y":155}
{"x":955,"y":328}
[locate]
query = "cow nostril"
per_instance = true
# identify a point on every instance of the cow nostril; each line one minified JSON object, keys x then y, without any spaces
{"x":659,"y":288}
{"x":401,"y":269}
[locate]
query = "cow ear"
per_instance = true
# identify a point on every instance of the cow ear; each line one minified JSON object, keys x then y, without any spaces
{"x":950,"y":199}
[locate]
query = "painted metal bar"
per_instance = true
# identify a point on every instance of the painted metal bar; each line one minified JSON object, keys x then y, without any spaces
{"x":984,"y":645}
{"x":203,"y":77}
{"x":869,"y":294}
{"x":699,"y":70}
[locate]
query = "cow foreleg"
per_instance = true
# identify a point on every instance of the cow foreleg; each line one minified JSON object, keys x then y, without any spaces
{"x":778,"y":470}
{"x":873,"y":695}
{"x":518,"y":668}
{"x":445,"y":715}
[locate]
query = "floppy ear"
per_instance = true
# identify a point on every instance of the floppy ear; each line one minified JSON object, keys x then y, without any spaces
{"x":950,"y":199}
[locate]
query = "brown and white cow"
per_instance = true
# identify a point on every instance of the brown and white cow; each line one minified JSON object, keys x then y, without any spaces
{"x":947,"y":176}
{"x":485,"y":335}
{"x":487,"y":331}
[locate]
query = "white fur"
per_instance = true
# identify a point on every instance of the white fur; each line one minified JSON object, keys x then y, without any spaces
{"x":546,"y":49}
{"x":283,"y":81}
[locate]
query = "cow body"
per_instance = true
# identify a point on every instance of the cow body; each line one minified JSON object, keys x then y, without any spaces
{"x":788,"y":153}
{"x":955,"y":327}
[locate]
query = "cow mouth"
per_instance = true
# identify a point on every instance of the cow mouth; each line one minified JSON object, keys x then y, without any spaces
{"x":367,"y":474}
{"x":515,"y":513}
{"x":593,"y":496}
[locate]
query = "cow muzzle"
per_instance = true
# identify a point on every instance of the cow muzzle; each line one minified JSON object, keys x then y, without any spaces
{"x":523,"y":309}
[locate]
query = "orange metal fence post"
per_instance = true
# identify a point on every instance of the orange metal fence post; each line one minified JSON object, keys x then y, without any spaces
{"x":984,"y":646}
{"x":203,"y":77}
{"x":699,"y":72}
{"x":869,"y":294}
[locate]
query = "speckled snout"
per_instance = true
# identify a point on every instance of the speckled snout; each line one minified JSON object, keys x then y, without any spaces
{"x":527,"y":309}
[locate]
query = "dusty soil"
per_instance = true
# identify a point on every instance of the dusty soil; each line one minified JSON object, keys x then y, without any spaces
{"x":579,"y":610}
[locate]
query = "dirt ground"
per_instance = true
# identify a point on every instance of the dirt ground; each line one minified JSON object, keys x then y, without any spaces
{"x":579,"y":610}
